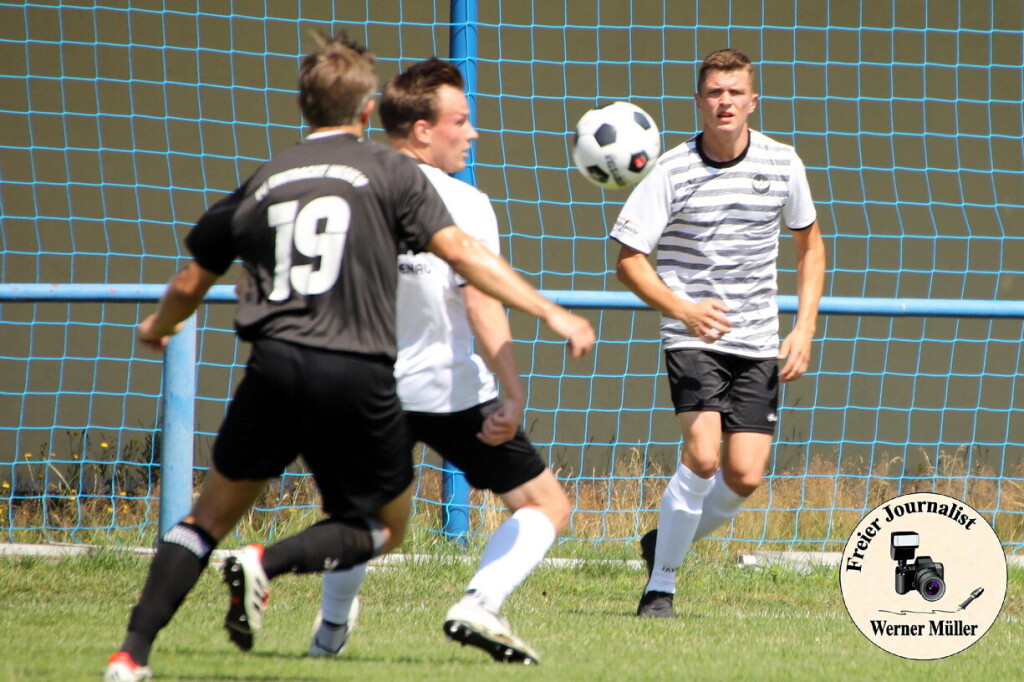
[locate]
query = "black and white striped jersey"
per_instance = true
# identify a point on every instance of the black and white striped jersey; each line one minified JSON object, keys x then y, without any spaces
{"x":715,"y":229}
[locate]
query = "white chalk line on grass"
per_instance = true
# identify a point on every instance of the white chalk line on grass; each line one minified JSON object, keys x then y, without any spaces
{"x":800,"y":561}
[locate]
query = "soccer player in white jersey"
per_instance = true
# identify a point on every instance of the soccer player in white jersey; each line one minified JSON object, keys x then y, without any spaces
{"x":448,"y":394}
{"x":711,"y":210}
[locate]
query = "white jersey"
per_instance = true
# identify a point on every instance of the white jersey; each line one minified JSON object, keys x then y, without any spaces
{"x":716,"y":230}
{"x":437,"y":370}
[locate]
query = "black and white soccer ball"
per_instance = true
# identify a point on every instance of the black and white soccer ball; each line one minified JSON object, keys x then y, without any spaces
{"x":616,"y":145}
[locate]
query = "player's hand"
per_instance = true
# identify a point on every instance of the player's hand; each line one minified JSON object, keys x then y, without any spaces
{"x":155,"y":339}
{"x":796,"y":351}
{"x":502,"y":424}
{"x":573,"y":328}
{"x":707,"y":320}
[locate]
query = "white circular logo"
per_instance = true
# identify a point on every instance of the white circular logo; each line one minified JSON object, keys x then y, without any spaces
{"x":923,"y":576}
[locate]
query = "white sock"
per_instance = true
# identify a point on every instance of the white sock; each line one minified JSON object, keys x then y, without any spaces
{"x":340,"y":589}
{"x":720,"y":506}
{"x":681,"y":505}
{"x":515,"y":549}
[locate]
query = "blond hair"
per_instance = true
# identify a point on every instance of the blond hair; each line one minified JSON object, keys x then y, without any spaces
{"x":336,"y":79}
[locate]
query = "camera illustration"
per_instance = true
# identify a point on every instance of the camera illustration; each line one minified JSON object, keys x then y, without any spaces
{"x":923,"y":575}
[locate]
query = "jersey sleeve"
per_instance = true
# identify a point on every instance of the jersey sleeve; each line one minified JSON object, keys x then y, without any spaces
{"x":421,"y":212}
{"x":646,"y":212}
{"x":211,"y":241}
{"x":798,"y":211}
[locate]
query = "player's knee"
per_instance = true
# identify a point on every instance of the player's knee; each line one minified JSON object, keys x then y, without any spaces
{"x":395,"y":536}
{"x":701,"y":457}
{"x":702,"y":464}
{"x":558,"y":512}
{"x":742,"y":483}
{"x":556,"y":508}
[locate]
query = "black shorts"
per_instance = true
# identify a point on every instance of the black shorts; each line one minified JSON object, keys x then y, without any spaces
{"x":498,"y":468}
{"x":744,"y":390}
{"x":339,"y":411}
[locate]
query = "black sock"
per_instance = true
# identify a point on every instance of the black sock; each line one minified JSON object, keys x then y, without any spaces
{"x":329,"y":545}
{"x":180,"y":558}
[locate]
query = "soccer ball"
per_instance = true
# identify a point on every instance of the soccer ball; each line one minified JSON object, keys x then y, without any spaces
{"x":616,"y":145}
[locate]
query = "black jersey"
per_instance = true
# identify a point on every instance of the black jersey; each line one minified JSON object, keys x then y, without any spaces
{"x":319,"y":228}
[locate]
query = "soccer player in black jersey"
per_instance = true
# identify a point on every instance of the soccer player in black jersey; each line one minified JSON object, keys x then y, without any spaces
{"x":319,"y":228}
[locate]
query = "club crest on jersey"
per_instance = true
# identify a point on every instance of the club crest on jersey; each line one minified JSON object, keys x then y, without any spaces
{"x":761,"y":183}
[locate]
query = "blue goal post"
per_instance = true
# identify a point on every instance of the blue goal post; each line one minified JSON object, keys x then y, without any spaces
{"x":122,"y":122}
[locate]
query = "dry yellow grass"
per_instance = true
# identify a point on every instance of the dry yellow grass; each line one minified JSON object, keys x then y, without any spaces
{"x":813,"y":509}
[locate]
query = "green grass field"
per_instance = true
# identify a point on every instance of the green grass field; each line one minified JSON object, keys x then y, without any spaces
{"x":61,"y":619}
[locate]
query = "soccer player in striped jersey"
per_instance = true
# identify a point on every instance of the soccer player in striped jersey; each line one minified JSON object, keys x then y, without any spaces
{"x":711,"y":210}
{"x":319,"y":229}
{"x":449,"y":396}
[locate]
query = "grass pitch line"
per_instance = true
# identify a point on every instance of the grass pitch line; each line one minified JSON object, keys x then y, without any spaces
{"x":802,"y":562}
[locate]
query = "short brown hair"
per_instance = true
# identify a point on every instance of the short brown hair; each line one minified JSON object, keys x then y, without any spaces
{"x":724,"y":60}
{"x":335,"y":81}
{"x":412,"y":95}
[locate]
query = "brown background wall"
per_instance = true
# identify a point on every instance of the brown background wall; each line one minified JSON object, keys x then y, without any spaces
{"x":119,"y":127}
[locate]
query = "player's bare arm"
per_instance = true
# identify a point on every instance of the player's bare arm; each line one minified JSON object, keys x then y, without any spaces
{"x":493,"y":275}
{"x":493,"y":337}
{"x":183,"y":295}
{"x":810,"y":281}
{"x":706,"y":319}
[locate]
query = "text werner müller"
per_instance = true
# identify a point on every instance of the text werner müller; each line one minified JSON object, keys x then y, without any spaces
{"x":935,"y":627}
